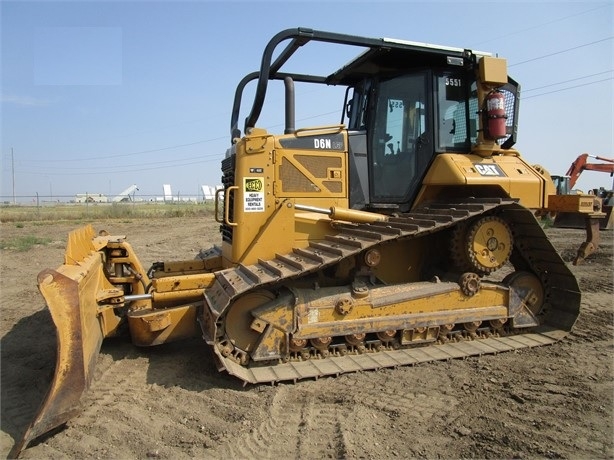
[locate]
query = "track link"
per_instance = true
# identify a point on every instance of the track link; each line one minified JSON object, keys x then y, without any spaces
{"x":533,"y":251}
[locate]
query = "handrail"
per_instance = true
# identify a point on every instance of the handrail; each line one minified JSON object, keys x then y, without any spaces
{"x":227,"y":205}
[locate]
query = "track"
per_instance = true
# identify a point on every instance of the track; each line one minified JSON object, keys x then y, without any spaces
{"x":533,"y":251}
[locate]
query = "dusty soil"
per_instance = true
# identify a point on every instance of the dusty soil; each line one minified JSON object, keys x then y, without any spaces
{"x":170,"y":401}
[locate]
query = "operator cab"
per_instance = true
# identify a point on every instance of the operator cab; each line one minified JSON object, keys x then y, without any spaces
{"x":405,"y":103}
{"x":408,"y":109}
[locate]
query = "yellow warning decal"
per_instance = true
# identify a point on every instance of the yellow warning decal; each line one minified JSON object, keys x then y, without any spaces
{"x":253,"y":194}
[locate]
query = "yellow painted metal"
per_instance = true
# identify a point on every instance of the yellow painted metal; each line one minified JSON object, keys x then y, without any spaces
{"x":229,"y":190}
{"x":185,"y":267}
{"x":581,"y":211}
{"x":154,"y":327}
{"x":265,"y":214}
{"x":178,"y":283}
{"x":80,"y":243}
{"x":402,"y":261}
{"x":70,"y":294}
{"x":352,"y":215}
{"x":490,"y":243}
{"x":119,"y":253}
{"x":109,"y":321}
{"x":256,"y":141}
{"x":581,"y":203}
{"x":276,"y":235}
{"x":281,"y":314}
{"x":273,"y":321}
{"x":324,"y":129}
{"x":102,"y":275}
{"x":166,"y":299}
{"x":520,"y":180}
{"x":239,"y":322}
{"x":253,"y":152}
{"x":418,"y":335}
{"x":305,"y":173}
{"x":310,"y":226}
{"x":81,"y":296}
{"x":272,"y":345}
{"x":448,"y":170}
{"x":493,"y":70}
{"x":395,"y":307}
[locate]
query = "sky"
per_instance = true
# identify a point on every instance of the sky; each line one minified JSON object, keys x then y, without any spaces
{"x":97,"y":96}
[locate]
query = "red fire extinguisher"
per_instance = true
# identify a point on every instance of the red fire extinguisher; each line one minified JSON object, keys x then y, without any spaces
{"x":495,"y":113}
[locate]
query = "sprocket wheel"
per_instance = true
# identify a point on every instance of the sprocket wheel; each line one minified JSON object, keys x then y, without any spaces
{"x":489,"y":244}
{"x":458,"y":246}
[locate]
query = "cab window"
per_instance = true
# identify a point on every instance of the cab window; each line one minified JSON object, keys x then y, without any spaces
{"x":456,"y":118}
{"x":356,"y":110}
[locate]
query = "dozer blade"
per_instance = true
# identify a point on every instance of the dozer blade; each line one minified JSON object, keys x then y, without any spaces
{"x":70,"y":295}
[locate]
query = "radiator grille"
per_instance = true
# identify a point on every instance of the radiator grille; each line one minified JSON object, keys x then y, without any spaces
{"x":295,"y":181}
{"x":228,"y":179}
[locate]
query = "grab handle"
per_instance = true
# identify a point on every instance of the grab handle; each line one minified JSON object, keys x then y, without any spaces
{"x":227,"y":206}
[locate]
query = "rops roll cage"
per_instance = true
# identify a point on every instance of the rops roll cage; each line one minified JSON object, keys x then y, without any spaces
{"x":301,"y":36}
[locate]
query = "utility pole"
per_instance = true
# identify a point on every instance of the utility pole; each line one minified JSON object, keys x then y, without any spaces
{"x":13,"y":171}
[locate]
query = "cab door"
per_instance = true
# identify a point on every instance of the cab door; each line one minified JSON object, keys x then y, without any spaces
{"x":400,"y":144}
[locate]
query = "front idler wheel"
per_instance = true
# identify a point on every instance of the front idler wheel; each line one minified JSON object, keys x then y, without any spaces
{"x":529,"y":287}
{"x":240,"y":337}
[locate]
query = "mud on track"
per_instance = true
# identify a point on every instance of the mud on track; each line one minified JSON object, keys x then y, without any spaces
{"x":170,"y":402}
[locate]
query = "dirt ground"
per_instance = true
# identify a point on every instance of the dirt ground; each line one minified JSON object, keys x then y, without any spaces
{"x":170,"y":401}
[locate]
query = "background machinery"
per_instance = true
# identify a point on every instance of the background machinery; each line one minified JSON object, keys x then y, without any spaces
{"x":581,"y":164}
{"x":405,"y":233}
{"x":566,"y":203}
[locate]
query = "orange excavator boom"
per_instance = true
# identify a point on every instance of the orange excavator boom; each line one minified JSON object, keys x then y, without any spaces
{"x":581,"y":164}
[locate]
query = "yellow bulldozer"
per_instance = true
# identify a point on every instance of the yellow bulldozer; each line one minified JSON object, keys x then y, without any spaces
{"x":405,"y":233}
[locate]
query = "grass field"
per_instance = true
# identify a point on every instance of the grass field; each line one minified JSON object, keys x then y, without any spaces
{"x":95,"y":211}
{"x":25,"y":217}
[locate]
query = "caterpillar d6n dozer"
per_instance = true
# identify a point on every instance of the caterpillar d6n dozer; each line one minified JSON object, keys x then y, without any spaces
{"x":405,"y":233}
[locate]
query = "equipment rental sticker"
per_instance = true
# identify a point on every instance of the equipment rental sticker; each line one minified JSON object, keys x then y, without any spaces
{"x":253,"y":192}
